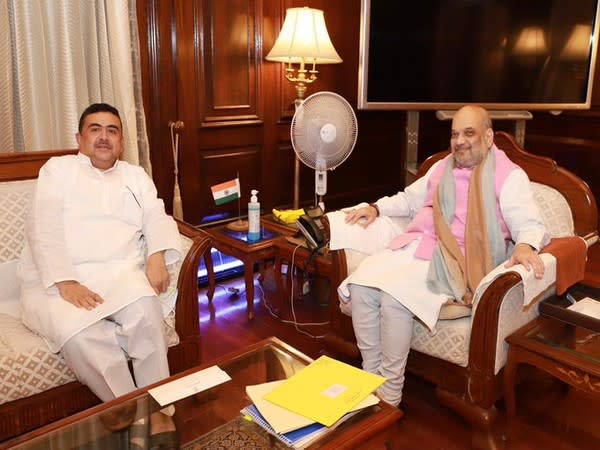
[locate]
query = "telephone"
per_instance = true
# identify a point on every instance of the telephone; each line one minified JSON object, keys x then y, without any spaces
{"x":311,"y":226}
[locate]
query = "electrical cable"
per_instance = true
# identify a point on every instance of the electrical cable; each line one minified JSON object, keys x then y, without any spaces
{"x":295,"y":321}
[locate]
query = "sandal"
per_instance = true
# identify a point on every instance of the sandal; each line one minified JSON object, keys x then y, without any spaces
{"x":138,"y":435}
{"x":167,"y":440}
{"x":119,"y":417}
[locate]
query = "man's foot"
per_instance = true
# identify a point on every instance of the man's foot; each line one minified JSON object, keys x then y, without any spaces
{"x":163,"y":433}
{"x":138,"y":434}
{"x":119,"y":417}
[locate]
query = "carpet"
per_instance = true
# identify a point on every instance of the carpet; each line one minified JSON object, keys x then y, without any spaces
{"x":237,"y":434}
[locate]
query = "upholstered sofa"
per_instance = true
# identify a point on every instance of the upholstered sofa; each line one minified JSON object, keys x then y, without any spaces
{"x":465,"y":357}
{"x":37,"y":386}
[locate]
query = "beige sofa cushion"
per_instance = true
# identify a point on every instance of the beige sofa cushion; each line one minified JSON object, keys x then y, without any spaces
{"x":27,"y":366}
{"x":14,"y":204}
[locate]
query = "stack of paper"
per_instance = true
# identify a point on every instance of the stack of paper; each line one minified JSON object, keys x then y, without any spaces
{"x":325,"y":390}
{"x":298,"y":439}
{"x":587,"y":306}
{"x":281,"y":419}
{"x":312,"y":402}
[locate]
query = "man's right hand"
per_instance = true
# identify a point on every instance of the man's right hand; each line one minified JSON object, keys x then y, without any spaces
{"x":364,"y":216}
{"x":78,"y":295}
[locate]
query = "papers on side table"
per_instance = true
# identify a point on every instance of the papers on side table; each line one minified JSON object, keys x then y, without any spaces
{"x":189,"y":385}
{"x":587,"y":306}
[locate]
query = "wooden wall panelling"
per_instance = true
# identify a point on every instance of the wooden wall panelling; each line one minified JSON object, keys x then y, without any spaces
{"x":237,"y":111}
{"x":231,"y":34}
{"x":155,"y":23}
{"x":230,"y":134}
{"x":228,"y":93}
{"x":374,"y":168}
{"x":218,"y":77}
{"x":270,"y":83}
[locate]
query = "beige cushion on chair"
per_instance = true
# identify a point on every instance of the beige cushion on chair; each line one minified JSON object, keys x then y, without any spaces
{"x":450,"y":312}
{"x":27,"y":366}
{"x":14,"y":205}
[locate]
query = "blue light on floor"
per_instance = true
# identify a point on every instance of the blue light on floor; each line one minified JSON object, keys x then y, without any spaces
{"x":225,"y":267}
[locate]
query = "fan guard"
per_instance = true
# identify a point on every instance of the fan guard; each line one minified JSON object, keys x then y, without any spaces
{"x":324,"y":130}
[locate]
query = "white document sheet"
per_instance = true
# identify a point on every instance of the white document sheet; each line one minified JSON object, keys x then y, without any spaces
{"x":189,"y":385}
{"x":587,"y":306}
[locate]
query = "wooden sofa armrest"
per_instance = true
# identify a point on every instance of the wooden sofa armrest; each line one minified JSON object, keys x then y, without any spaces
{"x":484,"y":334}
{"x":187,"y":322}
{"x":484,"y":331}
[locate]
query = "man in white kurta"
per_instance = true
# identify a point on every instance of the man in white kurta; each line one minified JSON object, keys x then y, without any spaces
{"x":97,"y":245}
{"x":389,"y":289}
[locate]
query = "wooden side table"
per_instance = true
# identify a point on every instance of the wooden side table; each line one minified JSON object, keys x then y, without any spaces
{"x":294,"y":256}
{"x":566,"y":351}
{"x":235,"y":243}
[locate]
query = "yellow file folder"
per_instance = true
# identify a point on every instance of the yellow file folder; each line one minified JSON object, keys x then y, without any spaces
{"x":325,"y":390}
{"x":283,"y":420}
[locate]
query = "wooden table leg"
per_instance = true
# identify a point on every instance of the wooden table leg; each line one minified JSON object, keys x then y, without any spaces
{"x":279,"y":282}
{"x":210,"y":274}
{"x":510,"y":371}
{"x":249,"y":279}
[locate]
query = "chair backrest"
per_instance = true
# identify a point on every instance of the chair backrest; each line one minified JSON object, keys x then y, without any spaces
{"x":14,"y":204}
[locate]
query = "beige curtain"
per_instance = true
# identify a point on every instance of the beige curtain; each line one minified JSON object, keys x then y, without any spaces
{"x":57,"y":58}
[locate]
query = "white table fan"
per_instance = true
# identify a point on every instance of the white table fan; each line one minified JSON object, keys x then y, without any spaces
{"x":323,"y":134}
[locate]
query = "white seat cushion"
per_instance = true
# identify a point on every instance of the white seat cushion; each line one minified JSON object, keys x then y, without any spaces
{"x":27,"y":366}
{"x":450,"y":341}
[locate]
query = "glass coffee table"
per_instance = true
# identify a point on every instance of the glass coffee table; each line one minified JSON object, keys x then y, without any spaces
{"x":211,"y":419}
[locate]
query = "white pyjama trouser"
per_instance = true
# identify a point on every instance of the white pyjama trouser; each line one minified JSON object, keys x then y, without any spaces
{"x":99,"y":353}
{"x":383,"y":329}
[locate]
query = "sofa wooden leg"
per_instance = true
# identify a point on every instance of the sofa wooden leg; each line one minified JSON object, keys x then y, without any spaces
{"x":486,"y":433}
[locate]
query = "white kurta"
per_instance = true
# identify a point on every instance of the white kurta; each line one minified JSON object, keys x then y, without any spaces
{"x":95,"y":227}
{"x":403,"y":276}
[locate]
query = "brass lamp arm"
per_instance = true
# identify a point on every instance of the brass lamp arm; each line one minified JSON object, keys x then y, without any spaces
{"x":301,"y":80}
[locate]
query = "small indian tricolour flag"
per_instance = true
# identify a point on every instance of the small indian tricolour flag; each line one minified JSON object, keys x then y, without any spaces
{"x":226,"y":192}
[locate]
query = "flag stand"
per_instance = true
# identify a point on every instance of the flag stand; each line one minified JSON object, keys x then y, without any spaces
{"x":239,"y":224}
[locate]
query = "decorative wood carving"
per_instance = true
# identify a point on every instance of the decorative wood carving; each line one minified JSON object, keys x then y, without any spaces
{"x":580,"y":379}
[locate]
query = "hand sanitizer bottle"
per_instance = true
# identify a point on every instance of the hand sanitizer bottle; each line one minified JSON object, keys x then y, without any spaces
{"x":253,"y":217}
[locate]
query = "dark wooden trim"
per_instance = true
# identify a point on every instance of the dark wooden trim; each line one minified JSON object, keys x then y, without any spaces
{"x":24,"y":165}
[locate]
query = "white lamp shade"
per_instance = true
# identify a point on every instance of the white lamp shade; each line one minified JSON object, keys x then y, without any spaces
{"x":531,"y":42}
{"x":578,"y":45}
{"x":304,"y":38}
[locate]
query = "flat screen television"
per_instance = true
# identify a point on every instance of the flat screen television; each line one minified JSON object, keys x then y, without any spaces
{"x":501,"y":54}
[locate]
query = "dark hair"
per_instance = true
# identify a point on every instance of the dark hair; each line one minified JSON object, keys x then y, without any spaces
{"x":96,"y":108}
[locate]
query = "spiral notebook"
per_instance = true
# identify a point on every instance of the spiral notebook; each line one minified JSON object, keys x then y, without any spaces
{"x":298,"y":439}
